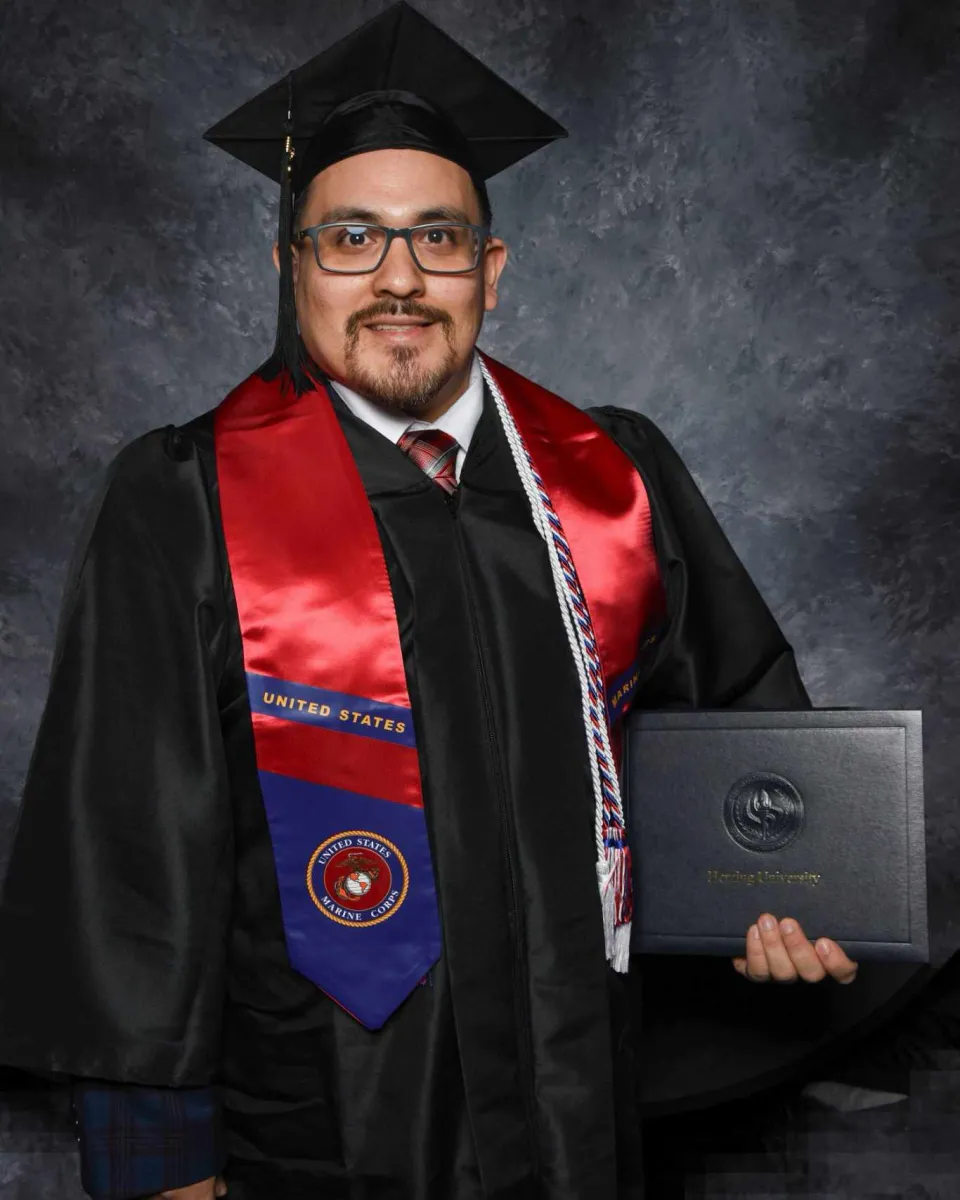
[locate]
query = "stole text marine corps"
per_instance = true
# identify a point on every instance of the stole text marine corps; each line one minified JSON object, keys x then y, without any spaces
{"x":357,"y":878}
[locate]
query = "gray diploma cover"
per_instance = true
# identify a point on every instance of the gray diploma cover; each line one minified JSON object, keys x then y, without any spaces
{"x":813,"y":814}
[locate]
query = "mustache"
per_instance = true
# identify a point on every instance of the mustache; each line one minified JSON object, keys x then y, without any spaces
{"x":394,"y":308}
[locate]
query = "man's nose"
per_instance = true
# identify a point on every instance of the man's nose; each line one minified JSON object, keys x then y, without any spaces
{"x":398,"y":274}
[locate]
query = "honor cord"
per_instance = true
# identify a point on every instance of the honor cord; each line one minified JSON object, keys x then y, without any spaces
{"x":613,"y":854}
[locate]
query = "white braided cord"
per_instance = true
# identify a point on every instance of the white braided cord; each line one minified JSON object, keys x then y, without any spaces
{"x":613,"y":865}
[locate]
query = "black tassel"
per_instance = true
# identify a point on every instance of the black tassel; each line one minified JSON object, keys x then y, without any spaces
{"x":287,"y":350}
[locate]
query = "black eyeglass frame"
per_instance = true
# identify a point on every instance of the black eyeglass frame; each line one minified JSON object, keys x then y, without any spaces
{"x":392,"y":231}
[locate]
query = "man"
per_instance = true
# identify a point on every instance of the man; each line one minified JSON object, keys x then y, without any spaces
{"x":322,"y":840}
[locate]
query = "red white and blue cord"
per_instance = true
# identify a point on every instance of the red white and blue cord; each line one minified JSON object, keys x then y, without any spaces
{"x":613,"y":852}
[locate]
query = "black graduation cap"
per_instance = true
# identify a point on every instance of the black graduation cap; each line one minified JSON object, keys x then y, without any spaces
{"x":397,"y":81}
{"x":398,"y":49}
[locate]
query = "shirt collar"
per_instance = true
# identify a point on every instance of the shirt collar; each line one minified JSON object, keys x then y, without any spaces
{"x":460,"y":419}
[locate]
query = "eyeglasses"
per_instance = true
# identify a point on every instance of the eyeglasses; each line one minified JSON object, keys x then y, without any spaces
{"x":355,"y":248}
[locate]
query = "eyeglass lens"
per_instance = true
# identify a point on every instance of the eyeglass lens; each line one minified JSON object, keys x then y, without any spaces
{"x":355,"y":247}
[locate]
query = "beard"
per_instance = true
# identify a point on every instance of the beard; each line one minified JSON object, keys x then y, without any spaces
{"x":406,"y":384}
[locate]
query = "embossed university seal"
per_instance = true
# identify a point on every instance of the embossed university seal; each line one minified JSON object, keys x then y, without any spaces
{"x":763,"y":811}
{"x":357,"y":878}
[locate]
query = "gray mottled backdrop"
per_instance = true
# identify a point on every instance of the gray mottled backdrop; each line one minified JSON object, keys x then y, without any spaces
{"x":751,"y":234}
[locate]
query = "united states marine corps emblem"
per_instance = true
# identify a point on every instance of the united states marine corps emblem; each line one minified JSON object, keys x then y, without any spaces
{"x":357,"y":878}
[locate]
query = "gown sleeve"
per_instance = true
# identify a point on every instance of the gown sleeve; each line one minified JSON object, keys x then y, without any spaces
{"x":115,"y":909}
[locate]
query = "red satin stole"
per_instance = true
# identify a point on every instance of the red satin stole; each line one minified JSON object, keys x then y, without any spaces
{"x":604,"y":509}
{"x":333,"y":728}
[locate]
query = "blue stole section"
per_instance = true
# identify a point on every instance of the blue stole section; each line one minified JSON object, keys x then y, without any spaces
{"x":356,"y":886}
{"x":330,"y":710}
{"x":620,"y":691}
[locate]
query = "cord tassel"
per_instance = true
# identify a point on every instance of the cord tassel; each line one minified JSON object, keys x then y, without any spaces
{"x":614,"y":876}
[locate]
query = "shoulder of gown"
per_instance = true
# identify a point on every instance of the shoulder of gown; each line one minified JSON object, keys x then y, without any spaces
{"x":724,"y":647}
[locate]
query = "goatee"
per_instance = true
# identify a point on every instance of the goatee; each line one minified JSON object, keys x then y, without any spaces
{"x":405,"y":385}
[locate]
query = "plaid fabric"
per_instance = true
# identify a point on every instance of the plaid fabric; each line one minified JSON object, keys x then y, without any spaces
{"x":435,"y":453}
{"x":138,"y":1141}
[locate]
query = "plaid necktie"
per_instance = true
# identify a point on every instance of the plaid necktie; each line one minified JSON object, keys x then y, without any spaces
{"x":435,"y":453}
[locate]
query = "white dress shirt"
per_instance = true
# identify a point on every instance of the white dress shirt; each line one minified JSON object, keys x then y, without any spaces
{"x":460,"y":419}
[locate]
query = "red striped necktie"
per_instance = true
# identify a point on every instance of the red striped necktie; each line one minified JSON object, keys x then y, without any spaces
{"x":435,"y":453}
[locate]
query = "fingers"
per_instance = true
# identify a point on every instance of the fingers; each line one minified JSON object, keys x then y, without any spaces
{"x":781,"y":952}
{"x":804,"y":958}
{"x":757,"y":967}
{"x":837,"y":964}
{"x":779,"y":963}
{"x":813,"y":963}
{"x":754,"y":967}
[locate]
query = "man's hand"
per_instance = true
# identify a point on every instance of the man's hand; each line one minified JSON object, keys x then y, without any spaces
{"x":207,"y":1190}
{"x":781,"y":952}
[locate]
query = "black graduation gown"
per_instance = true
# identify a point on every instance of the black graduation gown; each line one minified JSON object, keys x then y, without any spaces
{"x":141,"y":937}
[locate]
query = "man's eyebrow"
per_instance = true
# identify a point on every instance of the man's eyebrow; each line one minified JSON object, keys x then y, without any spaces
{"x":351,"y":212}
{"x":443,"y":213}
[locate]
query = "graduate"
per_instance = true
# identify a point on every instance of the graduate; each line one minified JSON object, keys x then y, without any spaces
{"x":320,"y":886}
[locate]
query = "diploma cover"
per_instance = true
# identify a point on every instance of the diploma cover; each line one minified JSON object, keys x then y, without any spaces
{"x":814,"y":814}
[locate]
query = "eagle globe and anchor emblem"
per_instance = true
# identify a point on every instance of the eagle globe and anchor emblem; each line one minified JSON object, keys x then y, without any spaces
{"x":357,"y":878}
{"x":763,"y":811}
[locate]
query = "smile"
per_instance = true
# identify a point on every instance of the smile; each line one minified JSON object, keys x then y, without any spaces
{"x":403,"y":330}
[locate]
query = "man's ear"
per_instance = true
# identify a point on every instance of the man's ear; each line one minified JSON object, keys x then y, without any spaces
{"x":494,"y":260}
{"x":296,"y":261}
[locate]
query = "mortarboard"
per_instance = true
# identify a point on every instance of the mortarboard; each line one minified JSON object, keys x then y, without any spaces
{"x":398,"y":81}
